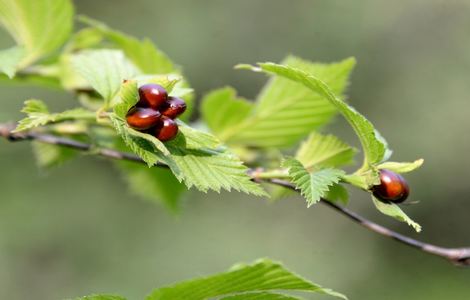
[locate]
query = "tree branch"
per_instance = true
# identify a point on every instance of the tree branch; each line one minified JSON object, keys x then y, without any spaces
{"x":457,"y":256}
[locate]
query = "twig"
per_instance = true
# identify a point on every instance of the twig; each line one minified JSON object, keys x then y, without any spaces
{"x":457,"y":256}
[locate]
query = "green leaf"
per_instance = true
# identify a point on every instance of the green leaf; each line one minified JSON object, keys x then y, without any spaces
{"x":144,"y":54}
{"x":40,"y":26}
{"x":155,"y":184}
{"x":286,"y":111}
{"x":9,"y":60}
{"x":101,"y":297}
{"x":374,"y":148}
{"x":48,"y":155}
{"x":324,"y":151}
{"x":260,"y":296}
{"x":104,"y":70}
{"x":401,"y":167}
{"x":394,"y":211}
{"x":263,"y":275}
{"x":338,"y":193}
{"x":312,"y":185}
{"x":222,"y":110}
{"x":39,"y":115}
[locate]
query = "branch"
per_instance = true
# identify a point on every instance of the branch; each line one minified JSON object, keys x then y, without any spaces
{"x":457,"y":256}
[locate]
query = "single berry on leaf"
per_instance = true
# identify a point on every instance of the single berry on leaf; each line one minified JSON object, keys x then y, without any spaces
{"x":393,"y":187}
{"x":152,"y":95}
{"x":167,"y":130}
{"x":142,"y":118}
{"x":173,"y":107}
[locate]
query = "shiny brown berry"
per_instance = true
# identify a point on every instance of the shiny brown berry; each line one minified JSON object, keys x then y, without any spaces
{"x":166,"y":130}
{"x":152,"y":95}
{"x":393,"y":187}
{"x":142,"y":118}
{"x":173,"y":107}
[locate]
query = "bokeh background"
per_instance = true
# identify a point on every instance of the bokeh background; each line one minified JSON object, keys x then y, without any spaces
{"x":76,"y":230}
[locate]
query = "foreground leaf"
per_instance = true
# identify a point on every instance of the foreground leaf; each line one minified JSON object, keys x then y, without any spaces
{"x":104,"y":70}
{"x":312,"y":185}
{"x":394,"y":211}
{"x":401,"y":167}
{"x":40,"y":26}
{"x":374,"y":148}
{"x":324,"y":151}
{"x":286,"y":111}
{"x":39,"y":115}
{"x":264,"y":275}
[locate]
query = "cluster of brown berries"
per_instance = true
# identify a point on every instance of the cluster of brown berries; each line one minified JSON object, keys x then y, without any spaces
{"x":155,"y":112}
{"x":393,"y":187}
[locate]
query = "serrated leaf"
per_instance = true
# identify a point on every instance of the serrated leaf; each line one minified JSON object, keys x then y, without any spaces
{"x":10,"y":59}
{"x":222,"y":110}
{"x":263,"y":275}
{"x":394,"y":211}
{"x":286,"y":111}
{"x":101,"y":297}
{"x":324,"y":151}
{"x":401,"y":167}
{"x":144,"y":54}
{"x":48,"y":155}
{"x":104,"y":70}
{"x":374,"y":148}
{"x":154,"y":184}
{"x":260,"y":296}
{"x":40,"y":26}
{"x":312,"y":185}
{"x":338,"y":193}
{"x":38,"y":115}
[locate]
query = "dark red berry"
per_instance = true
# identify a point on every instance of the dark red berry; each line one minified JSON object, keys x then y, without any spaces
{"x":152,"y":95}
{"x":142,"y":118}
{"x":392,"y":187}
{"x":167,"y":130}
{"x":173,"y":107}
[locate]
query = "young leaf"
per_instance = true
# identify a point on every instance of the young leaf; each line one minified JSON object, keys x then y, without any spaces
{"x":324,"y":151}
{"x":262,"y":276}
{"x":104,"y":70}
{"x":9,"y":60}
{"x":40,"y":26}
{"x":222,"y":110}
{"x":394,"y":211}
{"x":155,"y":184}
{"x":401,"y":167}
{"x":338,"y":193}
{"x":286,"y":111}
{"x":312,"y":185}
{"x":39,"y":115}
{"x":374,"y":148}
{"x":144,"y":54}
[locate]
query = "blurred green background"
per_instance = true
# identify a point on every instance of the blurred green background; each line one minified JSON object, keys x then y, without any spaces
{"x":76,"y":230}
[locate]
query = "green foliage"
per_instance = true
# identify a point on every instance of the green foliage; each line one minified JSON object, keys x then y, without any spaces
{"x":286,"y":111}
{"x":313,"y":185}
{"x":263,"y":275}
{"x":104,"y":70}
{"x":394,"y":211}
{"x":39,"y":115}
{"x":374,"y":148}
{"x":337,"y":193}
{"x":40,"y":26}
{"x":48,"y":156}
{"x":9,"y":60}
{"x":401,"y":167}
{"x":324,"y":151}
{"x":144,"y":54}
